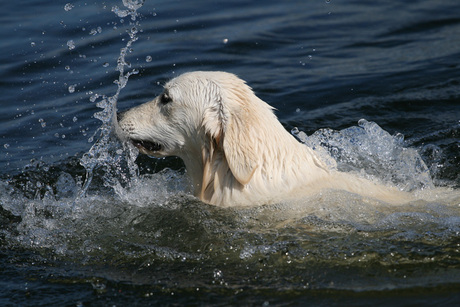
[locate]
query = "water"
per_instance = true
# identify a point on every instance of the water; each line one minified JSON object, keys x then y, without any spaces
{"x":134,"y":235}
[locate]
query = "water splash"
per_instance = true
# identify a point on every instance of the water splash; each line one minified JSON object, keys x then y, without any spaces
{"x":68,"y":7}
{"x":373,"y":152}
{"x":71,"y":44}
{"x":106,"y":152}
{"x":132,"y":7}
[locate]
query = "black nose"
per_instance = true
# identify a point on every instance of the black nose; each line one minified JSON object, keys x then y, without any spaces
{"x":120,"y":116}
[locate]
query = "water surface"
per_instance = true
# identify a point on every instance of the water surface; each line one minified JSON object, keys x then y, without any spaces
{"x":144,"y":239}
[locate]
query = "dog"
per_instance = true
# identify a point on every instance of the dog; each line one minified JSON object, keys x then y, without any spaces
{"x":234,"y":148}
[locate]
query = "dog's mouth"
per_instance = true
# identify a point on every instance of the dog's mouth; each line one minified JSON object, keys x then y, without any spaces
{"x":146,"y":146}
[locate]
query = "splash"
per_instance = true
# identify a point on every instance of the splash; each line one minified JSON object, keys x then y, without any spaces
{"x":373,"y":152}
{"x":106,"y":152}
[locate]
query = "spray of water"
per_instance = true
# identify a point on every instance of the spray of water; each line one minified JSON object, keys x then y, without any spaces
{"x":106,"y":151}
{"x":371,"y":151}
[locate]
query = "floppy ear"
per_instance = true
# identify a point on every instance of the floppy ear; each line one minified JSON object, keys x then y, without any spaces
{"x":239,"y":151}
{"x":228,"y":123}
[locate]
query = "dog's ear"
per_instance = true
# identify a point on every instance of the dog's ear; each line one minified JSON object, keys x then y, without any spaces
{"x":228,"y":123}
{"x":239,"y":151}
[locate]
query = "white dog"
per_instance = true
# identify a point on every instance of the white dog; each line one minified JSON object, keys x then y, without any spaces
{"x":234,"y":148}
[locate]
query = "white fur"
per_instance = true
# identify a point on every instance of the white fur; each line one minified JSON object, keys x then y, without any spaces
{"x":234,"y":148}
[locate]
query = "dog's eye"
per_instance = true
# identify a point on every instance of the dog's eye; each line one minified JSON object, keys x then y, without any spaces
{"x":165,"y":98}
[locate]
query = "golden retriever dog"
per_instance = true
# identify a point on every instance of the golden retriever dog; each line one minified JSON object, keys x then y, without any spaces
{"x":234,"y":148}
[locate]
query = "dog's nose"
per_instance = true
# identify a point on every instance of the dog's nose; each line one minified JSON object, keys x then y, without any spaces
{"x":120,"y":116}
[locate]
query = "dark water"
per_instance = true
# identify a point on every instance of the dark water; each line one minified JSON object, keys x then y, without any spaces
{"x":145,"y":241}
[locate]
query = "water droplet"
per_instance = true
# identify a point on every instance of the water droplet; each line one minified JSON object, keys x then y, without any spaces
{"x":362,"y":122}
{"x":6,"y":146}
{"x":71,"y":44}
{"x":99,"y":286}
{"x":148,"y":59}
{"x":106,"y":64}
{"x":68,"y":7}
{"x":42,"y":122}
{"x":72,"y":88}
{"x":225,"y":40}
{"x":120,"y":13}
{"x":133,"y":4}
{"x":32,"y":44}
{"x":93,"y":32}
{"x":75,"y":119}
{"x":93,"y":97}
{"x":218,"y":274}
{"x":67,"y":68}
{"x":399,"y":137}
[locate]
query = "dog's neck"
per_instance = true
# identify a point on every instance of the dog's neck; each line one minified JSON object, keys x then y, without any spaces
{"x":195,"y":170}
{"x":203,"y":165}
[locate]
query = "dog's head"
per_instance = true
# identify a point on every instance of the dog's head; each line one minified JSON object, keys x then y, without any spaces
{"x":199,"y":113}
